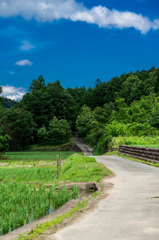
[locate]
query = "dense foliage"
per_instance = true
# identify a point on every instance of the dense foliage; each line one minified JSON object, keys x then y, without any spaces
{"x":4,"y":138}
{"x":19,"y":125}
{"x":139,"y":119}
{"x":8,"y":103}
{"x":48,"y":112}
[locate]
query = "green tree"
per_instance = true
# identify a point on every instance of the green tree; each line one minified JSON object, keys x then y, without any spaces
{"x":42,"y":135}
{"x":88,"y":98}
{"x":85,"y":121}
{"x":19,"y":125}
{"x":37,"y":84}
{"x":4,"y":139}
{"x":120,"y":112}
{"x":59,"y":131}
{"x":44,"y":104}
{"x":4,"y":143}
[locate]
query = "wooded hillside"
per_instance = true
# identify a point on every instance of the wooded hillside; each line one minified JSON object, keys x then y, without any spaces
{"x":48,"y":111}
{"x":8,"y":103}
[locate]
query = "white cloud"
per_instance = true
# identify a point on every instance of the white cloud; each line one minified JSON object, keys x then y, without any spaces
{"x":12,"y":92}
{"x":24,"y":63}
{"x":11,"y":72}
{"x":49,"y":10}
{"x":26,"y":46}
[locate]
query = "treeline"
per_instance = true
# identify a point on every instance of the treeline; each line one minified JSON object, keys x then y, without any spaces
{"x":113,"y":123}
{"x":48,"y":111}
{"x":8,"y":103}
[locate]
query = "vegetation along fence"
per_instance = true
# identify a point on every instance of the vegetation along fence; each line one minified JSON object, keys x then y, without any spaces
{"x":147,"y":154}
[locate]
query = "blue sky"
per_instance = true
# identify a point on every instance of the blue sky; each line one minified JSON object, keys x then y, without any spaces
{"x":75,"y":41}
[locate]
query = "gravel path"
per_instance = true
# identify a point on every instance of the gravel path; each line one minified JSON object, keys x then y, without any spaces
{"x":128,"y":213}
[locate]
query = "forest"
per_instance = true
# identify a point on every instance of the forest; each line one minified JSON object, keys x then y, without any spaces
{"x":119,"y":111}
{"x":8,"y":103}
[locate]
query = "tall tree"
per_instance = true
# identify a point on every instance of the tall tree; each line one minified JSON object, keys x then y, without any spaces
{"x":46,"y":103}
{"x":37,"y":84}
{"x":59,"y":130}
{"x":19,"y":125}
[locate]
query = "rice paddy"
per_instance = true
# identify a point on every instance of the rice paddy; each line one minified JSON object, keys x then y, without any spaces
{"x":37,"y":155}
{"x":24,"y":197}
{"x":27,"y":192}
{"x":45,"y":175}
{"x":21,"y":204}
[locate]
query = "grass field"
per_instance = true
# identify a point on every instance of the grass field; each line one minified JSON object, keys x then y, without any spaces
{"x":37,"y":155}
{"x":27,"y":184}
{"x":29,"y":159}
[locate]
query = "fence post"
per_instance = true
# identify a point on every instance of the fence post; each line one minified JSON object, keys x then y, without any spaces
{"x":58,"y":166}
{"x":52,"y":175}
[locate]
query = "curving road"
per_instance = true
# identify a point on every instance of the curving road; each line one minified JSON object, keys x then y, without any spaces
{"x":128,"y":213}
{"x":87,"y":151}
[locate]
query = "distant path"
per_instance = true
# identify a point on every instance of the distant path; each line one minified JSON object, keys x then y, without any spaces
{"x":85,"y":148}
{"x":128,"y":213}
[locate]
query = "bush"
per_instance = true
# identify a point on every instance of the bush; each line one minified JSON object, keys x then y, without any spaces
{"x":134,"y":140}
{"x":116,"y":129}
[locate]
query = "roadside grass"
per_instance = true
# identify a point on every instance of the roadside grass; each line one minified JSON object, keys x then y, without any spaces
{"x":131,"y":158}
{"x":156,"y":197}
{"x":78,"y":168}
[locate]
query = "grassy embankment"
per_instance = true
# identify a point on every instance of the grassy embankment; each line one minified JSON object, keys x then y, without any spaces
{"x":143,"y":141}
{"x":50,"y":146}
{"x":76,"y":168}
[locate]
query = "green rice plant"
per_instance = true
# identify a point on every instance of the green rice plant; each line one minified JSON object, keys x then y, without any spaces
{"x":28,"y":174}
{"x":36,"y":156}
{"x":21,"y":204}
